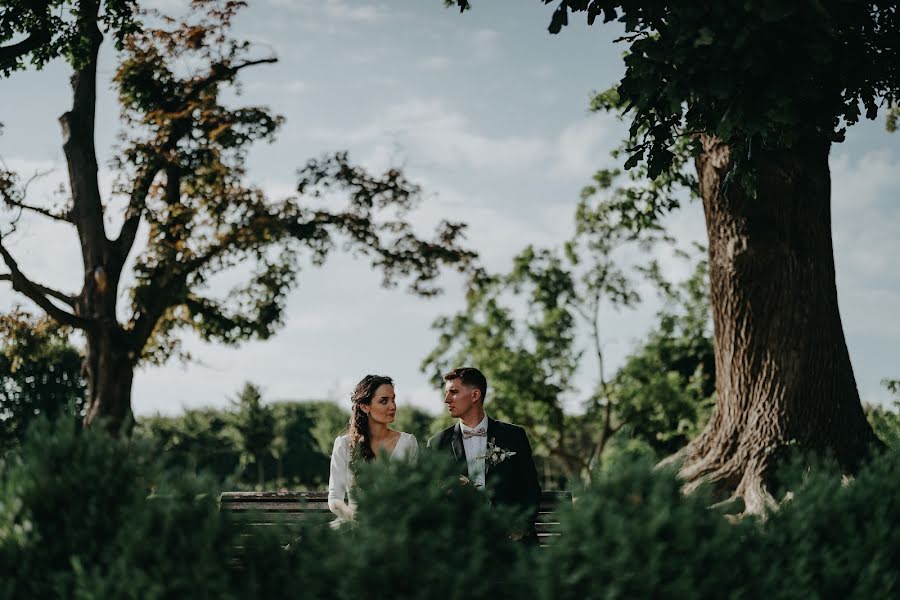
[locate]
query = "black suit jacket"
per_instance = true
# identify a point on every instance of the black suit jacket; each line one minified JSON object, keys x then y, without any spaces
{"x":513,"y":482}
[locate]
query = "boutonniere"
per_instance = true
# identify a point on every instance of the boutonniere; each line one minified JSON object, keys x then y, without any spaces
{"x":495,"y":454}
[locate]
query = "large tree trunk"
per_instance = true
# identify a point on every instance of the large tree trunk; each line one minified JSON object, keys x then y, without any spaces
{"x":109,"y":357}
{"x":783,"y":373}
{"x":110,"y":373}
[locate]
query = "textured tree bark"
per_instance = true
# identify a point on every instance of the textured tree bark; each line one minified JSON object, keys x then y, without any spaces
{"x":110,"y":374}
{"x":783,"y":373}
{"x":109,"y":360}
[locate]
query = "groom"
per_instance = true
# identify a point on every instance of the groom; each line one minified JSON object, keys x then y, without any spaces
{"x":495,"y":456}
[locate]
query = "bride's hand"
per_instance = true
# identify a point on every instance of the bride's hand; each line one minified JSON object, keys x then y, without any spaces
{"x":344,"y":510}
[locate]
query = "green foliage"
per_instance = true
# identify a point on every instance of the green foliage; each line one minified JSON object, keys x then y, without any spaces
{"x":716,"y":70}
{"x":92,"y":518}
{"x":180,"y":185}
{"x":205,"y":219}
{"x":40,"y":374}
{"x":632,"y":534}
{"x":665,"y":390}
{"x":893,"y":386}
{"x":886,"y":421}
{"x":255,"y":427}
{"x":330,"y":420}
{"x":836,"y":539}
{"x":421,"y":533}
{"x":38,"y":31}
{"x":415,"y":421}
{"x":893,"y":116}
{"x":200,"y":440}
{"x":209,"y":441}
{"x":299,"y":460}
{"x":530,"y":354}
{"x":114,"y":524}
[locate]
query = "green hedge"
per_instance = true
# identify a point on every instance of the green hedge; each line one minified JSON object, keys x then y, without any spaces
{"x":86,"y":516}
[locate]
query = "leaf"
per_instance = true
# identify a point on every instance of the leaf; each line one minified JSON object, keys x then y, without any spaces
{"x":634,"y":159}
{"x":705,"y":37}
{"x":559,"y":19}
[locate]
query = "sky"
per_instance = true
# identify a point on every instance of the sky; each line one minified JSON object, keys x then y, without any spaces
{"x":488,"y":113}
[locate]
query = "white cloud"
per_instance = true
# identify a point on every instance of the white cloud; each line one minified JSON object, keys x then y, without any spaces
{"x":438,"y":136}
{"x":434,"y":63}
{"x":291,"y":87}
{"x":584,"y":145}
{"x":357,"y":11}
{"x":866,"y":219}
{"x":484,"y":43}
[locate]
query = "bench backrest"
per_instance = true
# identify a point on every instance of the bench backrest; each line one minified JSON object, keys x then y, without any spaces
{"x":266,"y":508}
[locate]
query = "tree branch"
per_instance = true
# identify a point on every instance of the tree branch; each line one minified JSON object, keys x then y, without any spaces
{"x":67,"y":298}
{"x":135,"y":210}
{"x":38,"y":294}
{"x":221,"y":72}
{"x":14,"y":197}
{"x":36,"y":39}
{"x":41,"y":211}
{"x":9,"y":54}
{"x":78,"y":135}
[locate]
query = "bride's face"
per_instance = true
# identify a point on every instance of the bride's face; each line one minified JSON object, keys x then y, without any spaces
{"x":383,"y":407}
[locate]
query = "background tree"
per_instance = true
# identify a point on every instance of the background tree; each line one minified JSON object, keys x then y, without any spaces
{"x":762,"y":91}
{"x":886,"y":421}
{"x":199,"y":440}
{"x":40,"y":374}
{"x":301,"y":461}
{"x":530,"y":362}
{"x":209,"y":440}
{"x":330,"y":420}
{"x":415,"y":421}
{"x":665,"y":390}
{"x":255,"y":427}
{"x":180,"y":177}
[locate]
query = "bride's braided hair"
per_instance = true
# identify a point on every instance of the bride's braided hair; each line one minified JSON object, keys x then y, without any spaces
{"x":360,"y":437}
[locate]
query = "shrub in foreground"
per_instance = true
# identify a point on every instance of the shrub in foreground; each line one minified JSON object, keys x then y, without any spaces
{"x":632,"y":534}
{"x":93,"y":519}
{"x":87,"y":516}
{"x":838,"y":539}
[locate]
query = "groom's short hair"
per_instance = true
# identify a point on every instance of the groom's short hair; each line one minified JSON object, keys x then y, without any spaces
{"x":471,"y":377}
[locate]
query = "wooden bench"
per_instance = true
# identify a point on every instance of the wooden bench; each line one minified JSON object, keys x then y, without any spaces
{"x":279,"y":508}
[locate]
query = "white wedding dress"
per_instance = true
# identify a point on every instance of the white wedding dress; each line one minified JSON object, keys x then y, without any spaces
{"x":340,"y":478}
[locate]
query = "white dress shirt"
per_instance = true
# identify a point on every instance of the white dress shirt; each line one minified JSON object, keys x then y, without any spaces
{"x":476,"y":449}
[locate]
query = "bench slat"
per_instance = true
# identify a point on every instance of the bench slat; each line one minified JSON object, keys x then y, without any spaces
{"x":267,"y":509}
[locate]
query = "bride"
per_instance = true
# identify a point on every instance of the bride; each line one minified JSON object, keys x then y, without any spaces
{"x":374,"y":408}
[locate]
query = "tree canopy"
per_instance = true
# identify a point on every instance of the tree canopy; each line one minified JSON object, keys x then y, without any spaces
{"x":37,"y":31}
{"x":186,"y":210}
{"x":753,"y":74}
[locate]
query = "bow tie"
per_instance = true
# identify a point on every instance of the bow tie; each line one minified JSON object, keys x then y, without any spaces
{"x":480,"y":432}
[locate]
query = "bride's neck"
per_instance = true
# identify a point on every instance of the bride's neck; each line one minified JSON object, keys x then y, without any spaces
{"x":378,"y":431}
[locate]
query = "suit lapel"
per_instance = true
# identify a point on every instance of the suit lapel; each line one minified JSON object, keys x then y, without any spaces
{"x":456,"y":444}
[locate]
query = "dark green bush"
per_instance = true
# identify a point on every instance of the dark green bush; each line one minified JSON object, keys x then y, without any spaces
{"x":632,"y":534}
{"x":838,"y":539}
{"x":83,"y":515}
{"x":93,"y":519}
{"x":421,"y":533}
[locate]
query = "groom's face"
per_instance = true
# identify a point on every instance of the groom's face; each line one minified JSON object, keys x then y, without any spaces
{"x":460,"y":398}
